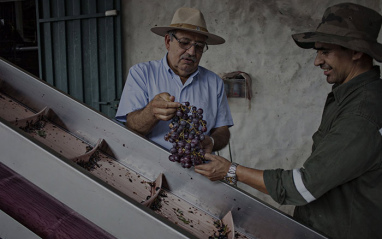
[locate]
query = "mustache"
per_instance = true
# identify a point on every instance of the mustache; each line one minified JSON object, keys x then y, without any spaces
{"x":325,"y":66}
{"x":188,"y":57}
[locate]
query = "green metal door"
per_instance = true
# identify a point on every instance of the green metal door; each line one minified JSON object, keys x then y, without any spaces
{"x":80,"y":50}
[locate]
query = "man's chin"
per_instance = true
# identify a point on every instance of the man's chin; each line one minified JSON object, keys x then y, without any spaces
{"x":188,"y":65}
{"x":330,"y":81}
{"x":186,"y":71}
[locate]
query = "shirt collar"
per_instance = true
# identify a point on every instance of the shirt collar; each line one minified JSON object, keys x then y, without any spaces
{"x":342,"y":91}
{"x":165,"y":64}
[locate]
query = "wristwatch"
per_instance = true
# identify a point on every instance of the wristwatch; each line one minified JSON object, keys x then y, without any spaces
{"x":230,"y":178}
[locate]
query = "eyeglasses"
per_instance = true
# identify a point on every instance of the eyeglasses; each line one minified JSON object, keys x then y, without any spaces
{"x":186,"y":44}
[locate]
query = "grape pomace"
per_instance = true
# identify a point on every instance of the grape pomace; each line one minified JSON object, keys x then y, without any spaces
{"x":187,"y":129}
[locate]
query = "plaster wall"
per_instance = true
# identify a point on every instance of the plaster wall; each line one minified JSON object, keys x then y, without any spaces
{"x":274,"y":128}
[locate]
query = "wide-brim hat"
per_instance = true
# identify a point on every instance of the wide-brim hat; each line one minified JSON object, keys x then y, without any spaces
{"x":349,"y":25}
{"x":192,"y":20}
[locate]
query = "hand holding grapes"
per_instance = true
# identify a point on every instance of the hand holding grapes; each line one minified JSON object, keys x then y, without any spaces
{"x":215,"y":169}
{"x":207,"y":144}
{"x":163,"y":106}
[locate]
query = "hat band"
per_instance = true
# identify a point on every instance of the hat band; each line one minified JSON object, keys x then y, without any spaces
{"x":189,"y":26}
{"x":335,"y":30}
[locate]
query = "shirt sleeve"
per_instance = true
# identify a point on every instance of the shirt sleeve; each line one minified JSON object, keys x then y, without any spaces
{"x":224,"y":117}
{"x":349,"y":149}
{"x":134,"y":95}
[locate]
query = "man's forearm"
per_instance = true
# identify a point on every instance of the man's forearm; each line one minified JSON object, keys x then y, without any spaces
{"x":141,"y":121}
{"x":221,"y":137}
{"x":252,"y":177}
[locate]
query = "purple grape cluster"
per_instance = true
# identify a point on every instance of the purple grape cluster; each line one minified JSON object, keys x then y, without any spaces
{"x":187,"y":129}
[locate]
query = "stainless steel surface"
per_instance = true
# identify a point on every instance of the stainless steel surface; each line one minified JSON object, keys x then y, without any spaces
{"x":96,"y":201}
{"x":251,"y":216}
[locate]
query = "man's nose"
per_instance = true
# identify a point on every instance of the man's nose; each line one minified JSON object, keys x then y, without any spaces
{"x":318,"y":61}
{"x":192,"y":50}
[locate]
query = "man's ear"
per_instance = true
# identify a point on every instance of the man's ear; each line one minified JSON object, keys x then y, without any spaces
{"x":357,"y":55}
{"x":167,"y":40}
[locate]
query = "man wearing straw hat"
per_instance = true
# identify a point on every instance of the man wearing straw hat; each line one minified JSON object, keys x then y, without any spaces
{"x":338,"y":191}
{"x":154,"y":89}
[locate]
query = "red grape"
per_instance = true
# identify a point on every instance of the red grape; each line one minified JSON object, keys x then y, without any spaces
{"x":187,"y":129}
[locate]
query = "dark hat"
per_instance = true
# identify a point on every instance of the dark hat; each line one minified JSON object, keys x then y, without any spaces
{"x":349,"y":25}
{"x":192,"y":20}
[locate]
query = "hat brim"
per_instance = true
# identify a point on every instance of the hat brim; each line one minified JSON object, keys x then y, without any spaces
{"x":308,"y":39}
{"x":212,"y":39}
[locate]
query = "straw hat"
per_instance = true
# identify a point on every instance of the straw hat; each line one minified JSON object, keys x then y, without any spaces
{"x":349,"y":25}
{"x":192,"y":20}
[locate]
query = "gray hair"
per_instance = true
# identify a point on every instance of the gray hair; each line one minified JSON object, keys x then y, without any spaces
{"x":172,"y":32}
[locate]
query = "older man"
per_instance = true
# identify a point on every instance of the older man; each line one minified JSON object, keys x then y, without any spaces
{"x":338,"y":191}
{"x":154,"y":90}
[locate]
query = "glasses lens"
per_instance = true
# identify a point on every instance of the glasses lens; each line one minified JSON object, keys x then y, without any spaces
{"x":200,"y":47}
{"x":186,"y":44}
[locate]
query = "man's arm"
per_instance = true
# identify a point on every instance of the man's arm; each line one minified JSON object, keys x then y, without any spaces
{"x":220,"y":139}
{"x":162,"y":107}
{"x":218,"y":167}
{"x":141,"y":121}
{"x":252,"y":177}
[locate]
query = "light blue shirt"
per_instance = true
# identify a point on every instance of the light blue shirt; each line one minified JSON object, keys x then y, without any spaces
{"x":203,"y":89}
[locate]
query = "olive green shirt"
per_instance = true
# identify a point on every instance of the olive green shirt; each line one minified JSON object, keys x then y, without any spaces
{"x":338,"y":191}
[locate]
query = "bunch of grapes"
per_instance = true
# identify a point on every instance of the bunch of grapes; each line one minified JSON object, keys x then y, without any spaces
{"x":187,"y":129}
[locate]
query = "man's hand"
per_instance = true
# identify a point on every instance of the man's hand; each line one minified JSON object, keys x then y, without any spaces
{"x":218,"y":167}
{"x":214,"y":170}
{"x":207,"y":144}
{"x":221,"y":137}
{"x":163,"y":106}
